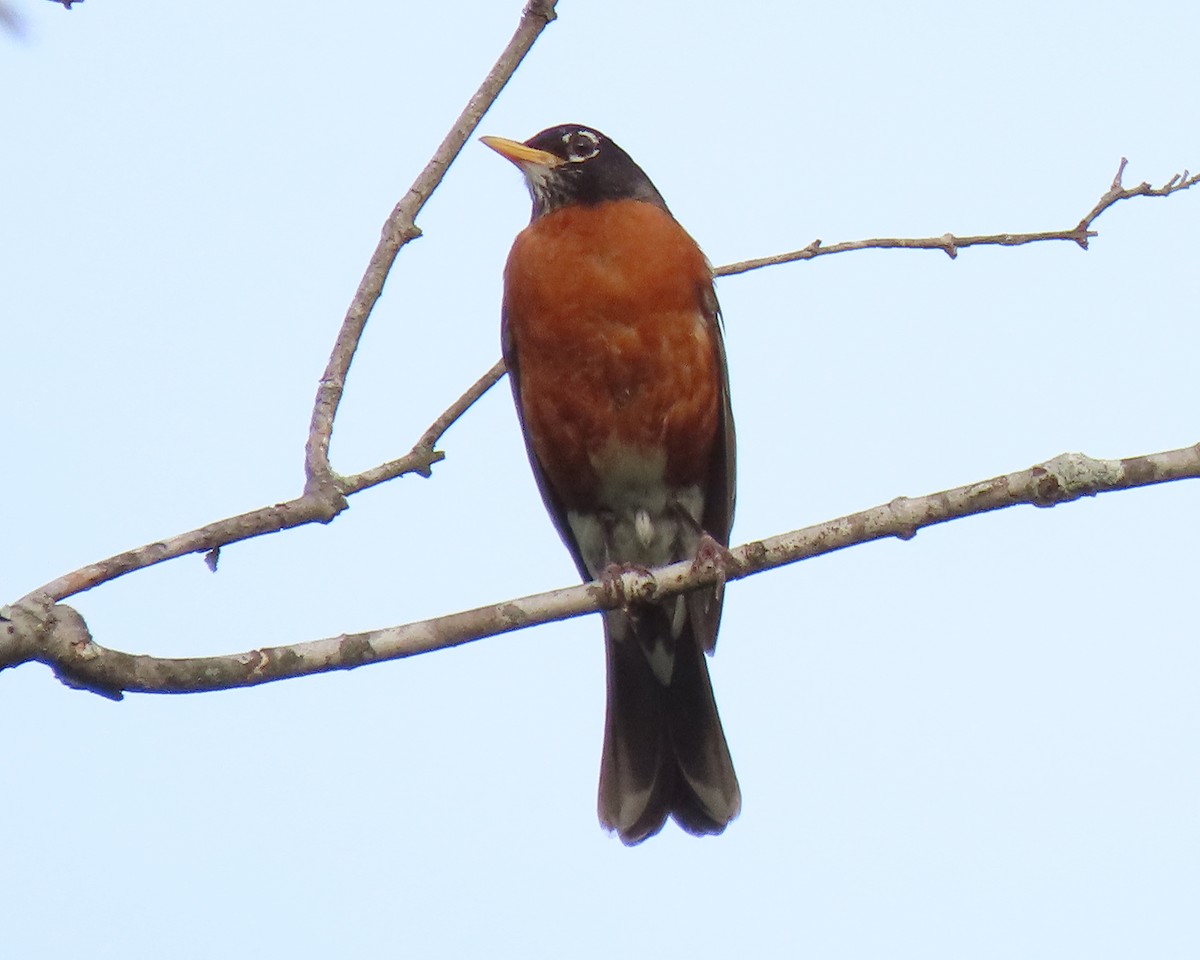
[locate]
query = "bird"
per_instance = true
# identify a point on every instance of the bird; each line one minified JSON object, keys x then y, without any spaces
{"x":612,"y":336}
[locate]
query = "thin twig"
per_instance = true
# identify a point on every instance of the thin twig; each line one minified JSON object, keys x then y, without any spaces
{"x":423,"y":456}
{"x":951,"y":244}
{"x":37,"y":629}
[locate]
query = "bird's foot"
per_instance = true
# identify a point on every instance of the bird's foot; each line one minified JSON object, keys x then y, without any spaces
{"x":713,"y":555}
{"x":613,"y":579}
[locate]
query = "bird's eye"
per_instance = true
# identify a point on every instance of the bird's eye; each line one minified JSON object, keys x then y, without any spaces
{"x":581,"y":145}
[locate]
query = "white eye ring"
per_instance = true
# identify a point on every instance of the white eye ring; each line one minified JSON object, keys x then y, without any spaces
{"x":572,"y":140}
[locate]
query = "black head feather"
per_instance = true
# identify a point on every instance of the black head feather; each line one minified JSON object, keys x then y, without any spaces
{"x":590,"y":169}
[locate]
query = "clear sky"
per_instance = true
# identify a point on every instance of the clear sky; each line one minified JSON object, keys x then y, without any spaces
{"x":981,"y":743}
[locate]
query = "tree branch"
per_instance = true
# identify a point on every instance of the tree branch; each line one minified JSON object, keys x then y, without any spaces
{"x":399,"y":228}
{"x":316,"y":506}
{"x":325,"y":492}
{"x":951,"y":244}
{"x":422,"y":457}
{"x":282,"y":516}
{"x":38,"y":629}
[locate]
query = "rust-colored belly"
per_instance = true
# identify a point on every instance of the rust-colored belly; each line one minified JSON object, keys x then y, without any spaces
{"x":605,"y":312}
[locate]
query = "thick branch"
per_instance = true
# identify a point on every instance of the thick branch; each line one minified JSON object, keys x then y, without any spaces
{"x":38,"y":629}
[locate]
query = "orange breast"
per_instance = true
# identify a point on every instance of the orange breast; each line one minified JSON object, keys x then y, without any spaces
{"x":605,"y":312}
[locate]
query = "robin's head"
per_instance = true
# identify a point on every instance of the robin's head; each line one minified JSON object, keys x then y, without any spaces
{"x":575,"y":164}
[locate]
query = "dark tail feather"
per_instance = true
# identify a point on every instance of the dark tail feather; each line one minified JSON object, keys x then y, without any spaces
{"x":664,"y":750}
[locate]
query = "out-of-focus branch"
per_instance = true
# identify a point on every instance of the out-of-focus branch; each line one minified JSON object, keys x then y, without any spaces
{"x":951,"y":244}
{"x":55,"y":634}
{"x":11,"y":21}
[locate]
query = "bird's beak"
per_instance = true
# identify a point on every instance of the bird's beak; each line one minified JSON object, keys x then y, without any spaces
{"x":522,"y":155}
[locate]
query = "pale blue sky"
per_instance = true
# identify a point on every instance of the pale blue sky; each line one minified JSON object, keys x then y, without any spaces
{"x":978,"y":744}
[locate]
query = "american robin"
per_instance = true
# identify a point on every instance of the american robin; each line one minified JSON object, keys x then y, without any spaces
{"x":613,"y":344}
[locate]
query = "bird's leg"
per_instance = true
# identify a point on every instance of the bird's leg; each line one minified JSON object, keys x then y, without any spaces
{"x":710,"y":552}
{"x":611,"y":574}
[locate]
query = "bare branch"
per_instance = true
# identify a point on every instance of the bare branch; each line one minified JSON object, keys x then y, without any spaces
{"x":951,"y":244}
{"x":38,"y":629}
{"x":399,"y":228}
{"x":282,"y":516}
{"x":324,"y":492}
{"x":423,"y":456}
{"x":1117,"y":192}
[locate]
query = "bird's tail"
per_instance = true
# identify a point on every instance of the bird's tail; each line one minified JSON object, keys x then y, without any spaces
{"x":665,"y":753}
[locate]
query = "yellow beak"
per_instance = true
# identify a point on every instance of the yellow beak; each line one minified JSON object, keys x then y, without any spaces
{"x":522,"y":155}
